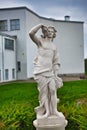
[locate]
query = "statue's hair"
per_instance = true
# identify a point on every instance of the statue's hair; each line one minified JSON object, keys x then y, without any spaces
{"x":44,"y":31}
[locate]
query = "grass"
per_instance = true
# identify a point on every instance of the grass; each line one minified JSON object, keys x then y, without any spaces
{"x":73,"y":97}
{"x":18,"y":100}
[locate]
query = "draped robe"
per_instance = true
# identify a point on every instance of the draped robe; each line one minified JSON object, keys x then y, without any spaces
{"x":45,"y":66}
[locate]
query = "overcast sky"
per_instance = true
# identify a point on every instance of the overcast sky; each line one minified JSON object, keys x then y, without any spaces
{"x":76,"y":9}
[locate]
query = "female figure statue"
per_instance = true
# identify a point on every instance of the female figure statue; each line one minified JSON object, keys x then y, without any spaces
{"x":46,"y":67}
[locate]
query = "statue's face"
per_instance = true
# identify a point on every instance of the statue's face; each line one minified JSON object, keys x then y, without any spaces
{"x":50,"y":33}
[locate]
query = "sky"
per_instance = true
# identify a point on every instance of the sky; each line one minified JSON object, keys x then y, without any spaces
{"x":57,"y":9}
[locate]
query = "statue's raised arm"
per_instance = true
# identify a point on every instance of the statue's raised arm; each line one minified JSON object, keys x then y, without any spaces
{"x":33,"y":32}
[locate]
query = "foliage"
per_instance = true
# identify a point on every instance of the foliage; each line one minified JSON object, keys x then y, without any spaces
{"x":17,"y":106}
{"x":18,"y":100}
{"x":73,"y":103}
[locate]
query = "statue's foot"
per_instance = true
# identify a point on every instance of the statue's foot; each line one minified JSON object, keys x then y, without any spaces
{"x":59,"y":114}
{"x":43,"y":116}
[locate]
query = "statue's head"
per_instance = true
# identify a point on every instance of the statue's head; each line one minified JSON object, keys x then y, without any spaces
{"x":49,"y":32}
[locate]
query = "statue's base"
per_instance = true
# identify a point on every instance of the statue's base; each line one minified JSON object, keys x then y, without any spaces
{"x":50,"y":123}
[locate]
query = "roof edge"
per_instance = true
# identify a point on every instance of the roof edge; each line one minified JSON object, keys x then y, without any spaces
{"x":4,"y":34}
{"x":52,"y":19}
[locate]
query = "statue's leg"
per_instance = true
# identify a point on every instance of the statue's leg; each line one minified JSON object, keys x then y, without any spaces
{"x":45,"y":99}
{"x":52,"y":91}
{"x":53,"y":94}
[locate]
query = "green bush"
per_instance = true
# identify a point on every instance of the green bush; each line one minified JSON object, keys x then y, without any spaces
{"x":17,"y":106}
{"x":73,"y":103}
{"x":76,"y":115}
{"x":17,"y":117}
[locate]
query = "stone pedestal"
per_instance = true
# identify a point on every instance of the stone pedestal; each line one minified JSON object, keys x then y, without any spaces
{"x":50,"y":123}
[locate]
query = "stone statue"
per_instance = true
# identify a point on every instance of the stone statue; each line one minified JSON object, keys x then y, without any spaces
{"x":46,"y":68}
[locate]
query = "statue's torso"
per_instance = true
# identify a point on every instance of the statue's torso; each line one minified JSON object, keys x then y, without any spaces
{"x":43,"y":62}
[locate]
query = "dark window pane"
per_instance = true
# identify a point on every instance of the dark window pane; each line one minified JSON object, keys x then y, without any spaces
{"x":13,"y":73}
{"x":6,"y":74}
{"x":15,"y":24}
{"x":9,"y":44}
{"x":3,"y":25}
{"x":18,"y":66}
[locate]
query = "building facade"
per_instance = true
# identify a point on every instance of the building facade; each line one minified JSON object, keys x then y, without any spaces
{"x":69,"y":41}
{"x":7,"y":58}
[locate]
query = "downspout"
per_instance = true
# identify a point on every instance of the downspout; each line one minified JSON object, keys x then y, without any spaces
{"x":2,"y":58}
{"x":16,"y":56}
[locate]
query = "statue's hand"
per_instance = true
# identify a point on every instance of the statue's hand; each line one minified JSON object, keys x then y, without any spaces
{"x":44,"y":28}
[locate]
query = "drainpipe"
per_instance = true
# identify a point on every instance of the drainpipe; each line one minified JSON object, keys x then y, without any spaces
{"x":2,"y":58}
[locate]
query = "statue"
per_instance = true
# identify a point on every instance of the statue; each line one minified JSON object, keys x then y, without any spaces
{"x":46,"y":68}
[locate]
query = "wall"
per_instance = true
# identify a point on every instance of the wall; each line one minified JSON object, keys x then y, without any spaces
{"x":69,"y":42}
{"x":31,"y":21}
{"x":9,"y":59}
{"x":1,"y":58}
{"x":21,"y":38}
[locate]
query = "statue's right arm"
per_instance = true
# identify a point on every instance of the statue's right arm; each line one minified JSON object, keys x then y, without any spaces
{"x":33,"y":36}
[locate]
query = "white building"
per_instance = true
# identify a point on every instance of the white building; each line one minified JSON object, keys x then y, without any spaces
{"x":7,"y":58}
{"x":70,"y":41}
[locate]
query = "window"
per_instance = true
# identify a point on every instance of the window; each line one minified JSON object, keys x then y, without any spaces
{"x":19,"y":66}
{"x":6,"y":74}
{"x":9,"y":44}
{"x":14,"y":24}
{"x":13,"y":73}
{"x":3,"y":25}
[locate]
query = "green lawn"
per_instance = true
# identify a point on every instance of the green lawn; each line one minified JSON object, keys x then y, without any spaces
{"x":18,"y":100}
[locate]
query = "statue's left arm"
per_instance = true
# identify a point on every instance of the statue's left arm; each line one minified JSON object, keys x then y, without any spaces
{"x":56,"y":64}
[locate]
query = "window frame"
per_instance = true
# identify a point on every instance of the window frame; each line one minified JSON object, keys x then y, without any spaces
{"x":9,"y":44}
{"x":18,"y":66}
{"x":13,"y":73}
{"x":6,"y":74}
{"x":14,"y":24}
{"x":3,"y":25}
